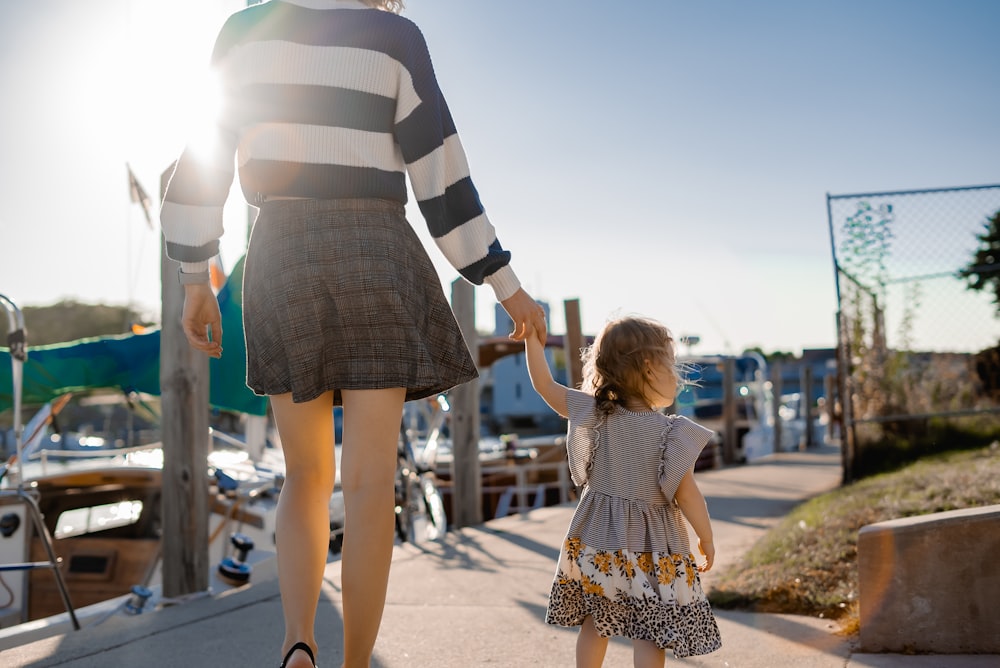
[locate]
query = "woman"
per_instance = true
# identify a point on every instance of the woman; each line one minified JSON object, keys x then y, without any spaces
{"x":328,"y":105}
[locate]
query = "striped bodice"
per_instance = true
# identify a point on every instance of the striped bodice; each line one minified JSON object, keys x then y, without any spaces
{"x":630,"y":465}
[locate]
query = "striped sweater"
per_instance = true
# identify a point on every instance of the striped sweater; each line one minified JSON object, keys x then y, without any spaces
{"x":329,"y":99}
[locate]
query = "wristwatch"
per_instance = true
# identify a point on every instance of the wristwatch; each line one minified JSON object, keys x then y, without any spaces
{"x":193,"y":278}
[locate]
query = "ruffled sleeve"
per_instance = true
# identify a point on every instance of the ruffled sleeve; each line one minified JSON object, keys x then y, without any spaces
{"x":683,"y":441}
{"x":582,"y":435}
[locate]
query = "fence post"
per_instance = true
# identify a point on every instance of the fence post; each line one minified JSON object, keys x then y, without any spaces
{"x":845,"y":399}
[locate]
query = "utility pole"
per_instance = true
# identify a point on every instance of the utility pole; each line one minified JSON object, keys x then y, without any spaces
{"x":184,"y":397}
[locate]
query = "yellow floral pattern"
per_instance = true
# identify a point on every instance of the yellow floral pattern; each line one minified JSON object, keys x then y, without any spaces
{"x":591,"y":587}
{"x":692,"y":573}
{"x":666,"y":570}
{"x":602,"y":562}
{"x":573,"y":548}
{"x":624,"y":566}
{"x":644,"y":560}
{"x":634,"y":594}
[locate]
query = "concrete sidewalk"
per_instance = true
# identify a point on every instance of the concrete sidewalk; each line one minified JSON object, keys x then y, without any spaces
{"x":478,"y":599}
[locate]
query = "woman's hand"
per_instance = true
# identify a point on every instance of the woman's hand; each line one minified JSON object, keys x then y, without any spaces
{"x":527,"y":314}
{"x":202,"y":320}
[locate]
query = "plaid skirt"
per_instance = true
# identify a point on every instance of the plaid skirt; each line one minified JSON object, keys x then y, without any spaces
{"x":341,"y":295}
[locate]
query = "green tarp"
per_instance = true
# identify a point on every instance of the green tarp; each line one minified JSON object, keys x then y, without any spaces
{"x":131,"y":362}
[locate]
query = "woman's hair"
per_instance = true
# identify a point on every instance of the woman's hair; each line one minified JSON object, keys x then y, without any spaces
{"x":614,"y":366}
{"x":394,"y":6}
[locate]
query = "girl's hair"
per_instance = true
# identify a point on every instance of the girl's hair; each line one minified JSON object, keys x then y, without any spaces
{"x":614,"y":366}
{"x":394,"y":6}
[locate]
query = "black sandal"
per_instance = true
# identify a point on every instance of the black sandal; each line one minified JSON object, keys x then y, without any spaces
{"x":305,"y":648}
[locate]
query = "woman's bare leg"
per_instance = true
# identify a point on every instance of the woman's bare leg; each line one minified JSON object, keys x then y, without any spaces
{"x":303,"y":517}
{"x":590,"y":645}
{"x":368,"y":469}
{"x":646,"y":654}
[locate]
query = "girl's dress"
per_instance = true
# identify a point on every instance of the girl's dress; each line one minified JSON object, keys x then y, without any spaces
{"x":626,"y":560}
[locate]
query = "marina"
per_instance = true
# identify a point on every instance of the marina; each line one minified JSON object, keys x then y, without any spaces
{"x":103,"y":503}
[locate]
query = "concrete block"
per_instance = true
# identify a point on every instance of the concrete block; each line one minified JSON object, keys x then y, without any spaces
{"x":931,"y":583}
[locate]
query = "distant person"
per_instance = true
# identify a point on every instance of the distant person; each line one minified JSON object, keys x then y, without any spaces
{"x":329,"y":104}
{"x":626,"y":568}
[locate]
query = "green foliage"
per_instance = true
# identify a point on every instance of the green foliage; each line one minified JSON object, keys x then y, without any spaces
{"x":983,"y":271}
{"x":866,"y":243}
{"x":70,"y":321}
{"x":895,"y":445}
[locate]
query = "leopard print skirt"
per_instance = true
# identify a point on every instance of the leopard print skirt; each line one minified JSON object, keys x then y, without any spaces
{"x":653,"y":596}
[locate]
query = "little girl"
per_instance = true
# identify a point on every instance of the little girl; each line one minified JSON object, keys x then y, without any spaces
{"x":626,"y":568}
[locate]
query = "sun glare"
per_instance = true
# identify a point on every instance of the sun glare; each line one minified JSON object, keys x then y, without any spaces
{"x":186,"y":98}
{"x":202,"y":106}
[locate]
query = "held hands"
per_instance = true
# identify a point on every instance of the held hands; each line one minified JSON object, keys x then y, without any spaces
{"x":707,"y":549}
{"x":202,"y":320}
{"x":527,"y":315}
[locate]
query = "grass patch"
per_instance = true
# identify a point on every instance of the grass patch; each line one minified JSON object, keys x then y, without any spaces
{"x":808,"y":564}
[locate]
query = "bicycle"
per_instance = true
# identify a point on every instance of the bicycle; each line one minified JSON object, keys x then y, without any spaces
{"x":420,"y":513}
{"x":419,"y":506}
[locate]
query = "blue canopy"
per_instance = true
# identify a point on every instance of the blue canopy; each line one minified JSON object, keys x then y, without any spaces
{"x":131,"y":362}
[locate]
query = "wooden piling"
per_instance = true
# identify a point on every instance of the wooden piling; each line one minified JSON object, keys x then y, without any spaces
{"x":729,"y":411}
{"x":465,"y":470}
{"x":574,"y":342}
{"x":806,"y":384}
{"x":184,"y":399}
{"x":776,"y":390}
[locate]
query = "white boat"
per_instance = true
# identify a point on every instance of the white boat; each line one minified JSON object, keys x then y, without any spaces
{"x":102,"y":514}
{"x":80,"y":530}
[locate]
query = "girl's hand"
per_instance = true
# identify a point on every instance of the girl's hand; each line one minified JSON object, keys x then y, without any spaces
{"x":707,"y":549}
{"x":201,"y":319}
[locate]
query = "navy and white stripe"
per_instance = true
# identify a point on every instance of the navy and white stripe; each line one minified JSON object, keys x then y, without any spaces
{"x":328,"y":99}
{"x":631,"y":465}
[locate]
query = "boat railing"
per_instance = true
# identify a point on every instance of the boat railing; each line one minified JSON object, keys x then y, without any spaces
{"x":44,"y":455}
{"x":18,"y":346}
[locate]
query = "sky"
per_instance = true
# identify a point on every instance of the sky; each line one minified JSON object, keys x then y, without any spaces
{"x":655,"y":157}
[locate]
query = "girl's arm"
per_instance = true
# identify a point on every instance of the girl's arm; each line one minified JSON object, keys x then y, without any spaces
{"x":552,"y":392}
{"x":692,"y":504}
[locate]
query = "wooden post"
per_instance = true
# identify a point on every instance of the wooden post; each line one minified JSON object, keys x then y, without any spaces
{"x":807,"y":405}
{"x":845,"y":415}
{"x":467,"y":497}
{"x":776,"y":390}
{"x":830,"y":384}
{"x":573,"y":343}
{"x":729,"y":411}
{"x":184,"y":398}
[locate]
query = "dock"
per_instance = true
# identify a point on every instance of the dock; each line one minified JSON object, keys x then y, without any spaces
{"x":478,"y":598}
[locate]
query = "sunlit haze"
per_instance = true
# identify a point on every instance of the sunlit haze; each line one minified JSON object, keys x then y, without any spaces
{"x":656,"y":157}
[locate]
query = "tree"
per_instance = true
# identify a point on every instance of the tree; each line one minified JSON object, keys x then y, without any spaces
{"x":69,"y":320}
{"x":983,"y":272}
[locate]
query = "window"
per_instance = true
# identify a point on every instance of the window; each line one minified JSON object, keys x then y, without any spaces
{"x":92,"y":519}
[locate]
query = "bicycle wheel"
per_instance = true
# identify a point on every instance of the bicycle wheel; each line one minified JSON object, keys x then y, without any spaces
{"x":407,"y":492}
{"x":437,"y":519}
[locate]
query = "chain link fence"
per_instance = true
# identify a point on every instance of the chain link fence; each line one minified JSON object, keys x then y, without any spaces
{"x":918,"y":349}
